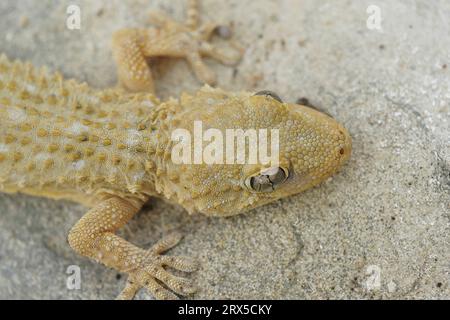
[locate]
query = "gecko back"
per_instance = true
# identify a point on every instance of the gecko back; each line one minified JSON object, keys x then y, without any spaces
{"x":61,"y":139}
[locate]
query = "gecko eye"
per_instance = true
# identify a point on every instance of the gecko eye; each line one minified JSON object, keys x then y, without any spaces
{"x":271,"y":94}
{"x":267,"y":180}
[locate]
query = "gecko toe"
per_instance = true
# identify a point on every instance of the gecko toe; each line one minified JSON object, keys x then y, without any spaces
{"x":185,"y":264}
{"x":167,"y":243}
{"x":181,"y":286}
{"x":158,"y":291}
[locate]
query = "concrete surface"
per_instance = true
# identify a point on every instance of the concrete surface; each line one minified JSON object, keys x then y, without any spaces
{"x":385,"y":217}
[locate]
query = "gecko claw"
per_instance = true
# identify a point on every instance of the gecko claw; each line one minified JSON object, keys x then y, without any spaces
{"x":223,"y":32}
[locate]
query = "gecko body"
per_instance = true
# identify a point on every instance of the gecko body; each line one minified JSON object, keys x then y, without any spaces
{"x":111,"y":150}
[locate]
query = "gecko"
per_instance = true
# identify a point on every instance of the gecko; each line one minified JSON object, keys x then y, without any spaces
{"x":110,"y":149}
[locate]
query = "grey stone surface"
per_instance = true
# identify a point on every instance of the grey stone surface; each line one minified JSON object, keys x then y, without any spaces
{"x":387,"y":212}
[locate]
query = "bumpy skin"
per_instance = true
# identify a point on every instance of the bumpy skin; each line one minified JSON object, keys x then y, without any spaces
{"x":111,"y":150}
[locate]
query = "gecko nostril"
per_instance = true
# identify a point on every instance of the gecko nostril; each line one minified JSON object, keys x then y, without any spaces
{"x":342,"y":151}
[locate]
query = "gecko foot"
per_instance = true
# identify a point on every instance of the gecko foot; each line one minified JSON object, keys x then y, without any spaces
{"x":155,"y":278}
{"x":132,"y":47}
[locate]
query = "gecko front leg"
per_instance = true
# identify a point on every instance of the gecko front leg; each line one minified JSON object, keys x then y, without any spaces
{"x":94,"y":237}
{"x":190,"y":41}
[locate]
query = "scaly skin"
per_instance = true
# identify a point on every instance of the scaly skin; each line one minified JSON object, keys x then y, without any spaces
{"x":111,"y":150}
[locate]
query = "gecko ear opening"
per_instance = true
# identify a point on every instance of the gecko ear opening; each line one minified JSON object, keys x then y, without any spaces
{"x":269,"y":93}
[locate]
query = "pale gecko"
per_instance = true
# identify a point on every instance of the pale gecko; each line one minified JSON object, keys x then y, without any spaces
{"x":111,"y":150}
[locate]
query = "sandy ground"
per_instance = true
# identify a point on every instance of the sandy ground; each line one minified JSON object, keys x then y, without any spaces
{"x":379,"y":229}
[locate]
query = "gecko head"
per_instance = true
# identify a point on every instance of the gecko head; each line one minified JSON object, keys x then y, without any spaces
{"x":303,"y":148}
